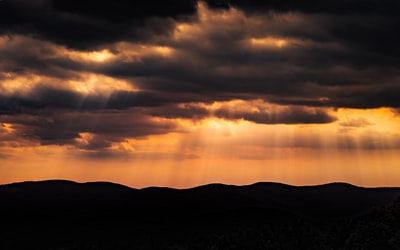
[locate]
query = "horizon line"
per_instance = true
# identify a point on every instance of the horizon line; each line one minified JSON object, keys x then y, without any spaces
{"x":198,"y":186}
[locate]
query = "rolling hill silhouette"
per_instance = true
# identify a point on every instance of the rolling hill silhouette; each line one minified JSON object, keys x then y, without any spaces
{"x":63,"y":214}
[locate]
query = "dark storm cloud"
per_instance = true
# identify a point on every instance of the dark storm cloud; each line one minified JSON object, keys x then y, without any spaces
{"x":338,"y":44}
{"x":90,"y":23}
{"x":375,"y":96}
{"x":96,"y":143}
{"x":24,"y":55}
{"x":292,"y":115}
{"x":363,"y":25}
{"x":186,"y":111}
{"x":105,"y":127}
{"x":120,"y":10}
{"x":315,"y":6}
{"x":327,"y":50}
{"x":55,"y":116}
{"x":335,"y":82}
{"x":287,"y":115}
{"x":47,"y":98}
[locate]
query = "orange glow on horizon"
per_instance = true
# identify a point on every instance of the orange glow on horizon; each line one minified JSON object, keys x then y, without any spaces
{"x":233,"y":152}
{"x":305,"y":167}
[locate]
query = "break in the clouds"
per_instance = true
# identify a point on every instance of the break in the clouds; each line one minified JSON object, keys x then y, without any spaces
{"x":117,"y":70}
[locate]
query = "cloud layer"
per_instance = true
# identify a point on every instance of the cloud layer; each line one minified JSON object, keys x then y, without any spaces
{"x":104,"y":72}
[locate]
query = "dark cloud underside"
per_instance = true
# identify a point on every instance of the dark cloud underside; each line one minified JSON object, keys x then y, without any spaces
{"x":89,"y":23}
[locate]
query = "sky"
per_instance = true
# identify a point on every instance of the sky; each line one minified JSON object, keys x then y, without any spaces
{"x":182,"y":93}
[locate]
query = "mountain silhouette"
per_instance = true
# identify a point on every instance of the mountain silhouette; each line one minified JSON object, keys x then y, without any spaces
{"x":60,"y":214}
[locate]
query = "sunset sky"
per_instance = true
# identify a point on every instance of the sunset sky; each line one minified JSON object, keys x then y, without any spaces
{"x":183,"y":93}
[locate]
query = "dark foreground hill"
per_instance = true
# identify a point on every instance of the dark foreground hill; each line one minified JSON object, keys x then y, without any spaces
{"x":69,"y":215}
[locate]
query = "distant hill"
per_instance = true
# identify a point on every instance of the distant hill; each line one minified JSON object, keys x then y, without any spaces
{"x":63,"y":214}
